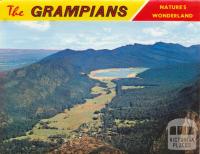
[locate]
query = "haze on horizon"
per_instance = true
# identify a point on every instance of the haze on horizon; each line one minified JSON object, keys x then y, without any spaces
{"x":95,"y":35}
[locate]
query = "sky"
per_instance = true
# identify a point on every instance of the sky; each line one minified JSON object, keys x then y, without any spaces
{"x":95,"y":35}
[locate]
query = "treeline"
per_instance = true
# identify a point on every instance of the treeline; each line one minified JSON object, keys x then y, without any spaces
{"x":26,"y":146}
{"x":148,"y":110}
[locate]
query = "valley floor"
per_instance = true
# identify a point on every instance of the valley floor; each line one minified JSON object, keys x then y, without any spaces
{"x":84,"y":116}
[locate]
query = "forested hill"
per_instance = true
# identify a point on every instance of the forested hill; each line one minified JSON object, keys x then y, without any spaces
{"x":189,"y":97}
{"x":156,"y":55}
{"x":38,"y":91}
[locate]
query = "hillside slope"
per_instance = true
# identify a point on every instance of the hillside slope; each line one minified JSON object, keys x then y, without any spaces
{"x":189,"y":95}
{"x":38,"y":91}
{"x":157,"y":55}
{"x":137,"y":117}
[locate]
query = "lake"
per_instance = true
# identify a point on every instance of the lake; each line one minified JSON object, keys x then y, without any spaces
{"x":116,"y":73}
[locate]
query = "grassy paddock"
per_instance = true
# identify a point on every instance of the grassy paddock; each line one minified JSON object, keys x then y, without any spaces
{"x":71,"y":119}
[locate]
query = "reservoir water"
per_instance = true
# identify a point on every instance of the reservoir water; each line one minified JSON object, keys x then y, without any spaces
{"x":116,"y":73}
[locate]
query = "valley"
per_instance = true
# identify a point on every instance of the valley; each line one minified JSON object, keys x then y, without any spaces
{"x":83,"y":118}
{"x":65,"y":124}
{"x":118,"y":99}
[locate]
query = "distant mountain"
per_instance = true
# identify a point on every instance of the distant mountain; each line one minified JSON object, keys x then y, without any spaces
{"x":156,"y":55}
{"x":16,"y":58}
{"x":138,"y":55}
{"x":59,"y":81}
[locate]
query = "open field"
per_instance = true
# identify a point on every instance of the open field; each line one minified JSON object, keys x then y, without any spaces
{"x":131,"y":87}
{"x":71,"y":119}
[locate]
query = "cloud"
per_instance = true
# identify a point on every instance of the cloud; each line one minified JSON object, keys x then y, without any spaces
{"x":193,"y":27}
{"x":155,"y":32}
{"x":40,"y":26}
{"x":107,"y":29}
{"x":94,"y":40}
{"x":95,"y":35}
{"x":1,"y":40}
{"x":2,"y":36}
{"x":173,"y":24}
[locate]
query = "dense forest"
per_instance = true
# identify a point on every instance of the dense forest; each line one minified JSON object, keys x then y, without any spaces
{"x":137,"y":117}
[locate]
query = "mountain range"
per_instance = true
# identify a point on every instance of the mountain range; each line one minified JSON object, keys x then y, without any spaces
{"x":158,"y":54}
